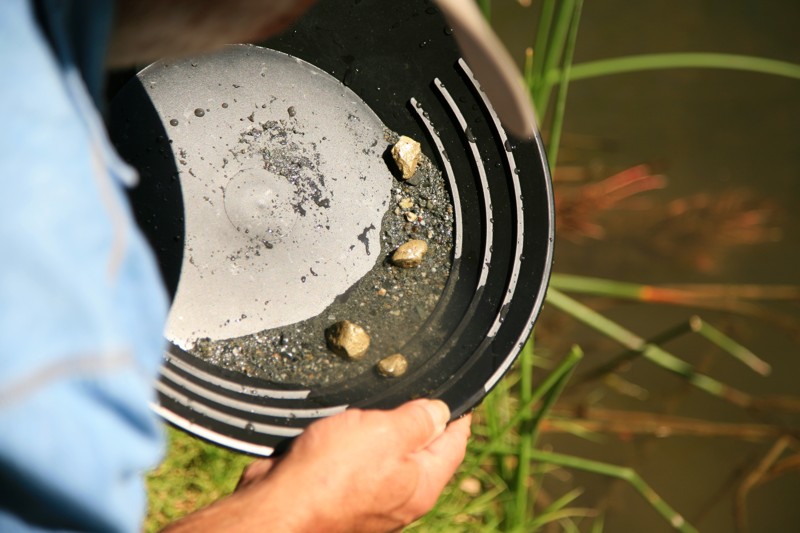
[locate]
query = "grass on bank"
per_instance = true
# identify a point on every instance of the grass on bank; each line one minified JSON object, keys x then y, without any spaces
{"x":194,"y":474}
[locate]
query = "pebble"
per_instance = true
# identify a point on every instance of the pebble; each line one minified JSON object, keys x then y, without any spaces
{"x":392,"y":366}
{"x":406,"y":203}
{"x":411,"y":216}
{"x":381,"y":292}
{"x":406,"y":154}
{"x":347,"y":339}
{"x":410,"y":254}
{"x":470,"y":486}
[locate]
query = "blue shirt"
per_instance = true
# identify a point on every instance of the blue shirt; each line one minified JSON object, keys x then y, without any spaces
{"x":82,"y":305}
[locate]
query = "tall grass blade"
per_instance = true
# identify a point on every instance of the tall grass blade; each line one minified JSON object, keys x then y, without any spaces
{"x":569,"y":526}
{"x":526,"y":430}
{"x":598,"y":525}
{"x":527,"y":71}
{"x":540,"y":47}
{"x":688,"y":294}
{"x":494,"y":408}
{"x":643,"y":62}
{"x":550,"y":513}
{"x":551,"y":381}
{"x":648,"y":293}
{"x":554,"y":52}
{"x":627,"y":474}
{"x":730,"y":346}
{"x":715,"y":297}
{"x":651,"y":352}
{"x":561,"y":98}
{"x":552,"y":395}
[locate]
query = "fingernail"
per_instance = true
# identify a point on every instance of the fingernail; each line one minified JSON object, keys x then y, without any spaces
{"x":440,"y":414}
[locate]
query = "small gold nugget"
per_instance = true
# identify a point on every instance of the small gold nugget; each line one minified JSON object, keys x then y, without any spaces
{"x":393,"y":366}
{"x":347,"y":339}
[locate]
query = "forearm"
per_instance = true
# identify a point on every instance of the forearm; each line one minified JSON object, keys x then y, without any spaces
{"x":257,"y":508}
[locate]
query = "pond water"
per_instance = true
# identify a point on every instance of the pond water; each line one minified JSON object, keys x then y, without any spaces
{"x":729,"y":144}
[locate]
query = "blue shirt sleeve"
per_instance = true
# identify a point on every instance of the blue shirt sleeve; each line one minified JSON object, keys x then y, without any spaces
{"x":82,"y":306}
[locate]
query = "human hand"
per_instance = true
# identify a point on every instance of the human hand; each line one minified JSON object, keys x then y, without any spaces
{"x":359,"y":471}
{"x":368,"y":471}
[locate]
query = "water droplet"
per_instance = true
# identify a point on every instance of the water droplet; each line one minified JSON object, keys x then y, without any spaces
{"x":224,"y":105}
{"x":419,"y":105}
{"x":508,"y":146}
{"x":424,"y":43}
{"x":349,"y":74}
{"x":448,"y":30}
{"x":470,"y":136}
{"x":516,"y":171}
{"x":173,"y":122}
{"x":199,"y":112}
{"x":249,"y":428}
{"x":292,"y":111}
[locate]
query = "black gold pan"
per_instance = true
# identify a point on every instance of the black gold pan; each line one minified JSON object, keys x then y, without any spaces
{"x":269,"y":193}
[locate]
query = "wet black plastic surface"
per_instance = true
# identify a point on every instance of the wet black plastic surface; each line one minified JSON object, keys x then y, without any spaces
{"x":392,"y":56}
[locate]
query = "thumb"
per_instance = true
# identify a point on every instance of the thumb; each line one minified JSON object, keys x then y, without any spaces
{"x":420,"y":422}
